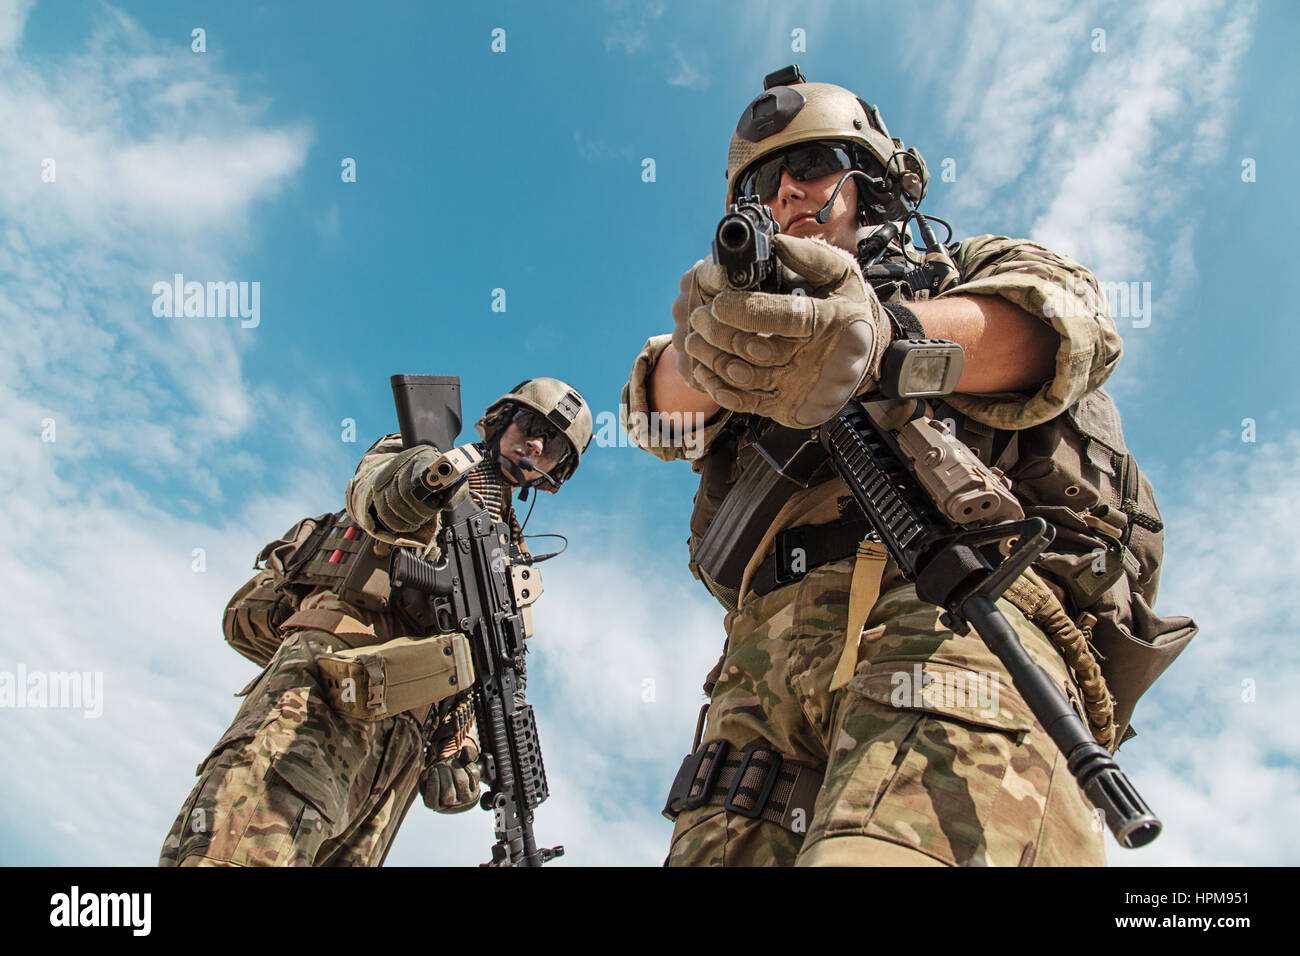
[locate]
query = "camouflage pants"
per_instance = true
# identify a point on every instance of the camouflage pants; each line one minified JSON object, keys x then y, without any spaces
{"x":931,"y":757}
{"x":293,"y":783}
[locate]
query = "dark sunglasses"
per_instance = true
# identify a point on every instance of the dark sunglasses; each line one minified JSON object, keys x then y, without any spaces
{"x":554,"y":445}
{"x":804,"y":162}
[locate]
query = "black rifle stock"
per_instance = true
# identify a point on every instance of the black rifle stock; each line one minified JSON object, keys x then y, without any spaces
{"x":959,"y":568}
{"x":471,"y":590}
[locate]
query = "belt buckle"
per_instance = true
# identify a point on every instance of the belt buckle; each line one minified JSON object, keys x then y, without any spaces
{"x":769,"y":781}
{"x":718,"y":750}
{"x":787,"y":541}
{"x":687,"y":774}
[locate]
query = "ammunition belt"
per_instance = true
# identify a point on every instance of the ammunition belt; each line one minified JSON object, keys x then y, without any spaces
{"x":485,"y":483}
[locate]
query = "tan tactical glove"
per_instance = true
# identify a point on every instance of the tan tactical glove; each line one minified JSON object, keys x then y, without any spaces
{"x":793,"y":358}
{"x":450,"y":782}
{"x":395,"y":503}
{"x":699,"y":285}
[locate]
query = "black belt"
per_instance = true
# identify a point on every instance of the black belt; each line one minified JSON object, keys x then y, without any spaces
{"x":817,"y":544}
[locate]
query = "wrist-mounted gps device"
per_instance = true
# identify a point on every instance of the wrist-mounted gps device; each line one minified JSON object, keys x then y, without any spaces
{"x":914,"y":366}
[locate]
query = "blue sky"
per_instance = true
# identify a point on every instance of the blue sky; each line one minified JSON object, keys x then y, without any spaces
{"x":522,"y":170}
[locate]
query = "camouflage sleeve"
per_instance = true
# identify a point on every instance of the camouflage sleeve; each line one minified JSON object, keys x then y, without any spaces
{"x":361,"y":490}
{"x":662,"y":436}
{"x":1060,"y":292}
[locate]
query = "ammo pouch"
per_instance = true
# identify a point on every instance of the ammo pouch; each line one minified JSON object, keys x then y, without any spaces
{"x":382,"y":680}
{"x":1076,"y":473}
{"x":254,"y":615}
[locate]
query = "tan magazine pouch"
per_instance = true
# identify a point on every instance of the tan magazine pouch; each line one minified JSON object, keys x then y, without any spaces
{"x":381,"y":680}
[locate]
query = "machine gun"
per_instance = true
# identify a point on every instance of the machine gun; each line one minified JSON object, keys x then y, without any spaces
{"x":477,"y":589}
{"x":948,"y":521}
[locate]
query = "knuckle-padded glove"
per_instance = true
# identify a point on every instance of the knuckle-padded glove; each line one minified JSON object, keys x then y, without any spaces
{"x":395,"y":502}
{"x":698,"y":286}
{"x":796,"y":359}
{"x":450,"y":782}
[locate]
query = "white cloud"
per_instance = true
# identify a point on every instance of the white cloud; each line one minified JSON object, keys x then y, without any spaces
{"x":328,"y":223}
{"x":687,"y":73}
{"x":159,"y":166}
{"x":1087,"y":134}
{"x":629,"y":26}
{"x":597,"y":150}
{"x":1121,"y":142}
{"x":630,"y":30}
{"x":102,"y":206}
{"x":13,"y":14}
{"x":1095,"y":154}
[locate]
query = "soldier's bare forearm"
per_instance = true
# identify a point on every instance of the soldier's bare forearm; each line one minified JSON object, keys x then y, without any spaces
{"x":1007,"y":349}
{"x":668,"y":391}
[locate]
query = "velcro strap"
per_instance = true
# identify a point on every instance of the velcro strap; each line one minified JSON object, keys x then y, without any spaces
{"x":800,"y":550}
{"x":343,"y":626}
{"x":905,"y":320}
{"x":758,"y":783}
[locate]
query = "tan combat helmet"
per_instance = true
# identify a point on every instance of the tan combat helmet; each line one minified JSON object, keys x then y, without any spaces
{"x":791,"y":111}
{"x":559,"y":403}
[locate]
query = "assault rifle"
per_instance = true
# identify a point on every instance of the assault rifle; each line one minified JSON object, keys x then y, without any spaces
{"x":948,"y":521}
{"x":475,"y":588}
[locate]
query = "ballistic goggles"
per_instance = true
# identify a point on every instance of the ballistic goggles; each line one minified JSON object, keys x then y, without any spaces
{"x":554,"y":444}
{"x":803,"y":161}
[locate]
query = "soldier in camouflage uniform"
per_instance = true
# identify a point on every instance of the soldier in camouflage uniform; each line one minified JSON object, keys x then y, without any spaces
{"x":295,"y":782}
{"x":900,"y":742}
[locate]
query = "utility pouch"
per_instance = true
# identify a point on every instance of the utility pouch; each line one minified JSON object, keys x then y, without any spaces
{"x":1076,"y":473}
{"x":382,"y":680}
{"x":253,"y":617}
